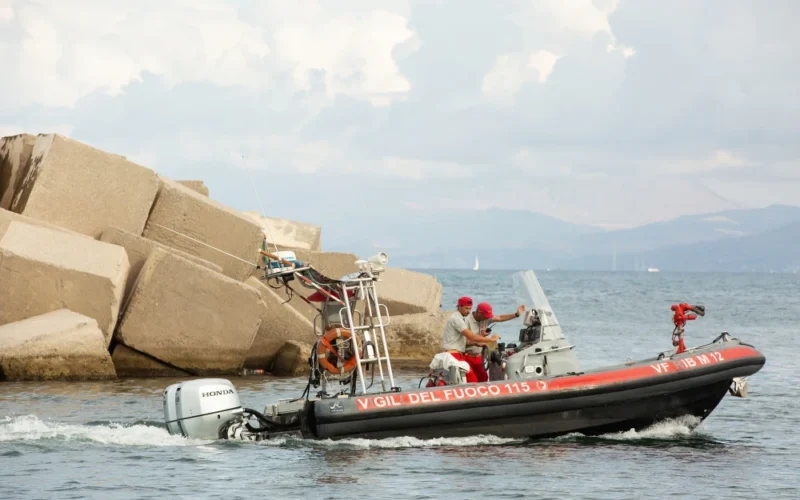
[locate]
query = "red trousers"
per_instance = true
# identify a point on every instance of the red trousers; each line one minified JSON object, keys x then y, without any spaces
{"x":476,"y":363}
{"x":471,"y":373}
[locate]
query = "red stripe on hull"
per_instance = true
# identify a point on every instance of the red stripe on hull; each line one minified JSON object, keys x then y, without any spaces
{"x":507,"y":388}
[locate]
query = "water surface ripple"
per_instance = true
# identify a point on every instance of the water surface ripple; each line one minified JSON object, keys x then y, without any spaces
{"x":107,"y":440}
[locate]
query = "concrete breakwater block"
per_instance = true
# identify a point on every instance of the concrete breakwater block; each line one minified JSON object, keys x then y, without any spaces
{"x":58,"y":345}
{"x":131,"y":363}
{"x":15,"y":155}
{"x":186,"y":220}
{"x":7,"y":218}
{"x":189,"y":316}
{"x":76,"y":186}
{"x":414,"y":339}
{"x":332,"y":264}
{"x":409,"y":292}
{"x":280,"y":323}
{"x":43,"y":270}
{"x":287,"y":234}
{"x":138,"y":249}
{"x":402,"y":291}
{"x":198,"y":186}
{"x":292,"y":359}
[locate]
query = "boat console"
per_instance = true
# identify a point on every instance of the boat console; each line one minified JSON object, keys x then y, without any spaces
{"x":543,"y":350}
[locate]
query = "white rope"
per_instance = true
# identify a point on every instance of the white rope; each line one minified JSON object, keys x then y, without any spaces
{"x":206,"y":244}
{"x":266,"y":223}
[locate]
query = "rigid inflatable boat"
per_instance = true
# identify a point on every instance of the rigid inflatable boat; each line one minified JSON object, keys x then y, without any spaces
{"x":536,"y":387}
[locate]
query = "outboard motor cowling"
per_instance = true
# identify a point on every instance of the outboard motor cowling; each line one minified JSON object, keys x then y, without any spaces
{"x":199,"y":408}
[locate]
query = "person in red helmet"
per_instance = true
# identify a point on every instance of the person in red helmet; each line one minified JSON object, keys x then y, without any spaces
{"x":457,"y":333}
{"x":480,"y":321}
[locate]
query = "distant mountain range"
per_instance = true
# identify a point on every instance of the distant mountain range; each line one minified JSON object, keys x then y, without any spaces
{"x":418,"y":233}
{"x":764,"y":239}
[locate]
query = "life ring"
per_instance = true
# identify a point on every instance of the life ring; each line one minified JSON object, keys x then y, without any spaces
{"x":324,"y":346}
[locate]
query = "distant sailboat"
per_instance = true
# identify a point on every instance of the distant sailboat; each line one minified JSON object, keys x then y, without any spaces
{"x":652,"y":269}
{"x":475,"y":267}
{"x":614,"y":260}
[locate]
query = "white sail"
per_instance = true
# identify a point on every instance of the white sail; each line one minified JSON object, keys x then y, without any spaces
{"x":476,"y":266}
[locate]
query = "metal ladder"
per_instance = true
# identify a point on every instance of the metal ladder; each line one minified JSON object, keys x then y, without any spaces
{"x":366,"y":288}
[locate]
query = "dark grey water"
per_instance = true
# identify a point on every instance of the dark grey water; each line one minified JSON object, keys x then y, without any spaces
{"x":106,"y":440}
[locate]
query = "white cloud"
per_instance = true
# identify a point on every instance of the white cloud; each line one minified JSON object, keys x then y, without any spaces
{"x":522,"y":196}
{"x":70,"y":49}
{"x":512,"y":71}
{"x":617,"y":200}
{"x":276,"y":154}
{"x":355,"y":53}
{"x":413,"y":205}
{"x":410,"y":168}
{"x":594,"y":164}
{"x":6,"y":11}
{"x":554,"y":30}
{"x":288,"y":154}
{"x":628,"y":52}
{"x":786,"y":170}
{"x":543,"y":96}
{"x":548,"y":164}
{"x":584,"y":18}
{"x":717,"y":160}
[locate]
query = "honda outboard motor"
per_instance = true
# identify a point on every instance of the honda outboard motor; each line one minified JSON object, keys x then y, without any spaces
{"x":200,"y":408}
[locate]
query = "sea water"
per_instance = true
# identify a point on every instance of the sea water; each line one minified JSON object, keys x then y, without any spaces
{"x":107,"y":440}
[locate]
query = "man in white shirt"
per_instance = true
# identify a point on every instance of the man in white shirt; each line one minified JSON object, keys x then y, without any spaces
{"x":456,"y":333}
{"x":479,"y":321}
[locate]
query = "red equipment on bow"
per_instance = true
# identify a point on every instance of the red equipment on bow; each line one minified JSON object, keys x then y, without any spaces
{"x":680,"y":318}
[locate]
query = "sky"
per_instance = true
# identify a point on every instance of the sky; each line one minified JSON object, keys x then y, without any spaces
{"x":610,"y":113}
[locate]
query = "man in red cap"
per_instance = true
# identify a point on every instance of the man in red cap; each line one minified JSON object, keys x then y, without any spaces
{"x":456,"y":333}
{"x":479,"y":321}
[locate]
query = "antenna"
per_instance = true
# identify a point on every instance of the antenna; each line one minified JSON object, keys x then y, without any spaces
{"x":263,"y":215}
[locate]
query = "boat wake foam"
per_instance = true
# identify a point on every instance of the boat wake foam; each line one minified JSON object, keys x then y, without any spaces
{"x":411,"y":442}
{"x":31,"y":428}
{"x":686,"y":426}
{"x":683,"y":426}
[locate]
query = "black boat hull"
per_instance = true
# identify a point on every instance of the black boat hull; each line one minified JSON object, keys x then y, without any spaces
{"x":630,"y":397}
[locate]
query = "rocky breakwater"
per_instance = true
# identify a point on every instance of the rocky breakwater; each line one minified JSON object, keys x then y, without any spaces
{"x":109,"y":269}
